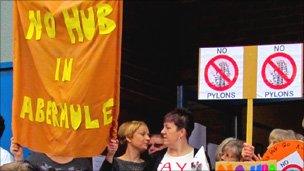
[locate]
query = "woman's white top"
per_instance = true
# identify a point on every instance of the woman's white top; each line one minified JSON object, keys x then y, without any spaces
{"x":185,"y":162}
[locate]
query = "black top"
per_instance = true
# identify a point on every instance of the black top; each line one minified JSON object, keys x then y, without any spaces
{"x":151,"y":163}
{"x":121,"y":165}
{"x":44,"y":163}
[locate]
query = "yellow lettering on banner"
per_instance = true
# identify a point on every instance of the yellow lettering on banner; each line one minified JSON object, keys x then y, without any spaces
{"x":107,"y":111}
{"x":54,"y":114}
{"x":106,"y":25}
{"x":67,"y":70}
{"x":64,"y":115}
{"x":73,"y":23}
{"x":39,"y":110}
{"x":57,"y":69}
{"x":35,"y":24}
{"x":27,"y":108}
{"x":89,"y":123}
{"x":75,"y":117}
{"x":49,"y":23}
{"x":48,"y":112}
{"x":88,"y":23}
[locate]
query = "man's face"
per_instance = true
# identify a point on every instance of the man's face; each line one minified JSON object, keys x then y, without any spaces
{"x":156,"y":144}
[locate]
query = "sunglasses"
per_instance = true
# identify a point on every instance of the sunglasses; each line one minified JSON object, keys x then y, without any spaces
{"x":157,"y":145}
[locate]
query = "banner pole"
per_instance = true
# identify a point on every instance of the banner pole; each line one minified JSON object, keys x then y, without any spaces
{"x":249,"y":121}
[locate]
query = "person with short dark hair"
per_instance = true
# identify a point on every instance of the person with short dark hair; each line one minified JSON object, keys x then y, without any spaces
{"x":179,"y":155}
{"x":5,"y":156}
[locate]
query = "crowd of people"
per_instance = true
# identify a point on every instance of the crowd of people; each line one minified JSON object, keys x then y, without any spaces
{"x":166,"y":151}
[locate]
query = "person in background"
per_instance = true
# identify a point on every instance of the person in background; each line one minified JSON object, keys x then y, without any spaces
{"x":46,"y":162}
{"x":235,"y":150}
{"x":220,"y":149}
{"x":278,"y":135}
{"x":18,"y":166}
{"x":5,"y":156}
{"x":179,"y":155}
{"x":134,"y":135}
{"x":299,"y":137}
{"x":156,"y":143}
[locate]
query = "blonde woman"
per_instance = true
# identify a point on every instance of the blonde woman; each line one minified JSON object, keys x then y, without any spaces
{"x":225,"y":146}
{"x":135,"y":136}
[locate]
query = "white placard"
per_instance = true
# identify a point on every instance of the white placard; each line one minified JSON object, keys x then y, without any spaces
{"x":221,"y":73}
{"x":280,"y":71}
{"x":291,"y":162}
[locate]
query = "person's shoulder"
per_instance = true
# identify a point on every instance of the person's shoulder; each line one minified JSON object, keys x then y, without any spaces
{"x":116,"y":160}
{"x":81,"y":163}
{"x":154,"y":160}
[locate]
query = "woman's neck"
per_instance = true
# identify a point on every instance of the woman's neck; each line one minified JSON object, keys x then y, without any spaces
{"x":131,"y":154}
{"x":180,"y":148}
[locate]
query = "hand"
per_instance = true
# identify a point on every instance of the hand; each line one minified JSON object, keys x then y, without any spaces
{"x":16,"y":150}
{"x":257,"y":157}
{"x":247,"y":152}
{"x":111,"y":148}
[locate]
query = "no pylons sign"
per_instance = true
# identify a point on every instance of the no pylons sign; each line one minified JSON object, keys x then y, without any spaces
{"x":280,"y":71}
{"x":221,"y":73}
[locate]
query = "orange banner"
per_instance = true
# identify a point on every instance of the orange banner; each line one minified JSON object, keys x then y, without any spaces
{"x":66,"y":75}
{"x":289,"y":155}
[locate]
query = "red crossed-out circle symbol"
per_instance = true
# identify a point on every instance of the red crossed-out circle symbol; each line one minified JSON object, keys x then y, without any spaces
{"x":292,"y":167}
{"x":279,"y":74}
{"x":221,"y":73}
